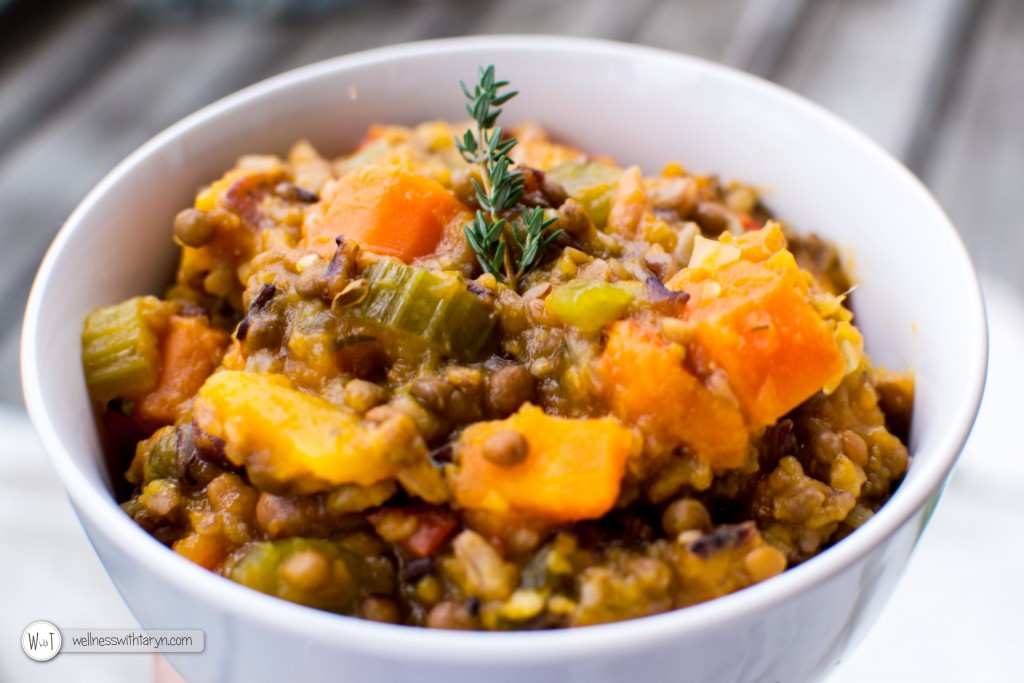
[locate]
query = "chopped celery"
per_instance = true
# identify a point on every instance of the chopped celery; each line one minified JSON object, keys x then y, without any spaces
{"x":120,"y":351}
{"x":161,"y":453}
{"x":432,"y":305}
{"x":327,"y":576}
{"x":588,"y":304}
{"x":592,"y":185}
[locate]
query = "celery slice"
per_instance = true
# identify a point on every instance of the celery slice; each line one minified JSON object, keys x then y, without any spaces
{"x":120,"y":352}
{"x":162,"y":460}
{"x":431,"y":305}
{"x":348,"y":576}
{"x":587,"y":304}
{"x":592,"y":185}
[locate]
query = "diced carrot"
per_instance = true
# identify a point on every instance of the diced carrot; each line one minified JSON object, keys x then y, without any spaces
{"x":190,"y":350}
{"x":754,"y":320}
{"x":433,"y":526}
{"x":388,"y":211}
{"x":645,"y":383}
{"x":572,"y":470}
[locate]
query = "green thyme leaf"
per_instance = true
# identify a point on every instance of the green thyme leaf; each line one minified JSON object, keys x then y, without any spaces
{"x":500,"y":189}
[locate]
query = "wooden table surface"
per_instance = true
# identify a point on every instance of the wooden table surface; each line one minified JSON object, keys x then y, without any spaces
{"x":940,"y":83}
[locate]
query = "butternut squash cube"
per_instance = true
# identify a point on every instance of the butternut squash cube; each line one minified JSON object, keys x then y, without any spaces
{"x":755,"y":320}
{"x":572,"y":469}
{"x":290,"y":441}
{"x":645,"y":383}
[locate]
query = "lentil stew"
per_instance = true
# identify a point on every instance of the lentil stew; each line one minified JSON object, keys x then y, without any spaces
{"x":337,"y":404}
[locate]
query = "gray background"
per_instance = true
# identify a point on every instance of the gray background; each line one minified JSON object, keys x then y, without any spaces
{"x":937,"y":82}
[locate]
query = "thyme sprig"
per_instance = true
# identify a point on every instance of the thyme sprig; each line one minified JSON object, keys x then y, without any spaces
{"x":507,"y":247}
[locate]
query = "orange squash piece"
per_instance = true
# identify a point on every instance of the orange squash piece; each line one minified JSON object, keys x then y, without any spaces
{"x":572,"y":471}
{"x":756,"y":321}
{"x":190,"y":351}
{"x":291,"y":441}
{"x":386,"y":210}
{"x":645,"y":383}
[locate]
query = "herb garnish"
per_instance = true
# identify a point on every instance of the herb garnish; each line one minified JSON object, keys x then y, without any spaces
{"x":508,"y":248}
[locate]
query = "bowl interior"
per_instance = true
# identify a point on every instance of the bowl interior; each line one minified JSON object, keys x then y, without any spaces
{"x":918,"y":303}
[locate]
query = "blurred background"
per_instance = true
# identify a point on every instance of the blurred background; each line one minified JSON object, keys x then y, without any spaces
{"x":939,"y":83}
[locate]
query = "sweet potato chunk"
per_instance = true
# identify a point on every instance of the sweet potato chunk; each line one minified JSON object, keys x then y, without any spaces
{"x":645,"y":383}
{"x":572,"y":468}
{"x":388,"y":211}
{"x":754,"y":319}
{"x":290,"y":441}
{"x":190,"y":350}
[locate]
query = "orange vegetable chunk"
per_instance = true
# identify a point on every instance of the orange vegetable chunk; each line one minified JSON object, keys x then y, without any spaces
{"x":645,"y":383}
{"x":190,"y":351}
{"x":572,"y":470}
{"x":290,"y":441}
{"x":206,"y":550}
{"x":756,"y":321}
{"x":388,"y":211}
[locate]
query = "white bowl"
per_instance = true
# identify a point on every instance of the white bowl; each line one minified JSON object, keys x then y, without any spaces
{"x":918,"y":305}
